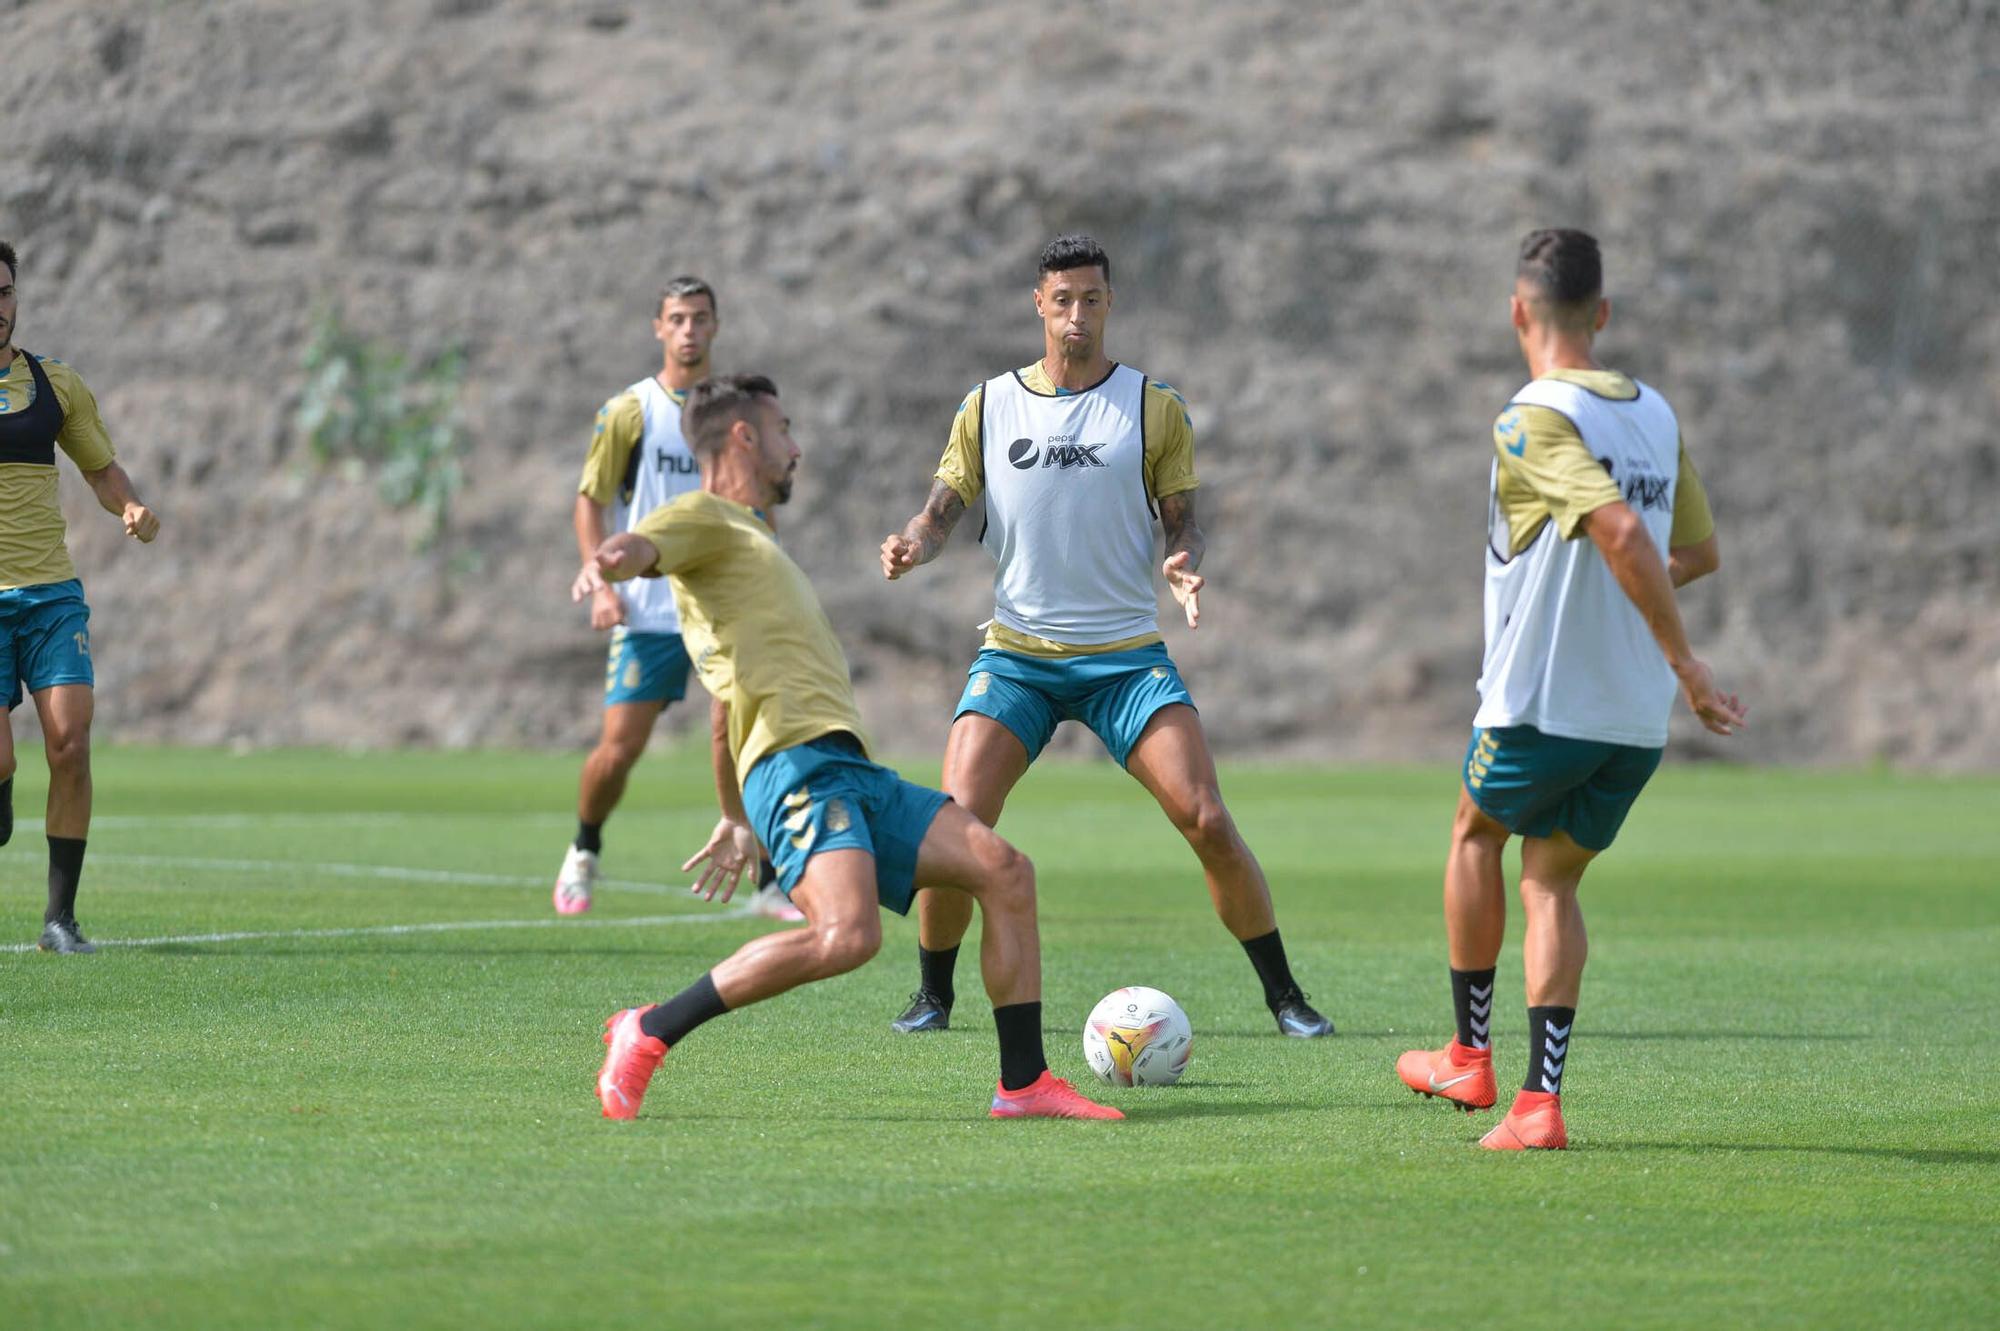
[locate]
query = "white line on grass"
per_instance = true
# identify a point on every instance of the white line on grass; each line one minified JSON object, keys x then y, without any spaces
{"x":391,"y":872}
{"x":443,"y":927}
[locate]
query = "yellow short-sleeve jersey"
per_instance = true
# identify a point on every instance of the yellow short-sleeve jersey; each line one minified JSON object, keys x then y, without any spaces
{"x":32,"y":551}
{"x":616,"y":435}
{"x":753,"y":626}
{"x":1169,"y":427}
{"x":1547,"y":474}
{"x":1693,"y":523}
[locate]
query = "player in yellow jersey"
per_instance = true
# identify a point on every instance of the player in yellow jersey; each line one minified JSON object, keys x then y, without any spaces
{"x":1072,"y":455}
{"x":638,"y":461}
{"x":44,"y":621}
{"x":1596,"y":517}
{"x":844,"y":833}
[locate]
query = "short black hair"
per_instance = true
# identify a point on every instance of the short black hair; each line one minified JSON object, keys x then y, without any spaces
{"x":685,"y":285}
{"x":713,"y":405}
{"x":7,"y":257}
{"x":1563,"y":265}
{"x":1073,"y":250}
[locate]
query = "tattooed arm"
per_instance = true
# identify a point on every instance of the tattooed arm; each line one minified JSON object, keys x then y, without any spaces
{"x":1185,"y":547}
{"x":925,"y":534}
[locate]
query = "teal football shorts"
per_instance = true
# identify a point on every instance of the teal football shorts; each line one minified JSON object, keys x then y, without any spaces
{"x":1534,"y":784}
{"x":826,"y":795}
{"x":1113,"y":693}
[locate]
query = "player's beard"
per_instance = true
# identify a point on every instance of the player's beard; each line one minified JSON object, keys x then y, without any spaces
{"x":781,"y":489}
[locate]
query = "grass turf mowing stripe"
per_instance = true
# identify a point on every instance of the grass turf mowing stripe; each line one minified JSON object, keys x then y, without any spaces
{"x":432,"y":927}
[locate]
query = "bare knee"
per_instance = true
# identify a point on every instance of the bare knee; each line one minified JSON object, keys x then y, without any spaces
{"x":68,"y":751}
{"x":842,"y":947}
{"x":1473,"y":828}
{"x":621,"y":752}
{"x":1206,"y":824}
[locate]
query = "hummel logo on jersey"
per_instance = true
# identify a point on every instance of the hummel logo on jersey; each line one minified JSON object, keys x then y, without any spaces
{"x":1512,"y":432}
{"x":1024,"y":454}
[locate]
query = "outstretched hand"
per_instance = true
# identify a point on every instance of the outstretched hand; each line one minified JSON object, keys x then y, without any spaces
{"x":623,"y":556}
{"x":899,"y":556}
{"x":1186,"y":585}
{"x":732,"y":848}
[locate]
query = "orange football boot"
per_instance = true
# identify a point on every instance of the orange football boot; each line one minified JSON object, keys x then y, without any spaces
{"x":628,"y":1063}
{"x":1047,"y":1096}
{"x":1455,"y":1073}
{"x":1535,"y":1123}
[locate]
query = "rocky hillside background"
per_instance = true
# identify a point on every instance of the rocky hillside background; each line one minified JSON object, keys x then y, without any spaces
{"x":1312,"y":210}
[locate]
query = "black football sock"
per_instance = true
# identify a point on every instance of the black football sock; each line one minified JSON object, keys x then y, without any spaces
{"x":767,"y":874}
{"x":936,"y":969}
{"x":1548,"y":1047}
{"x":1021,"y":1057}
{"x":6,"y":811}
{"x":1267,"y":954}
{"x":590,"y":837}
{"x":673,"y":1019}
{"x":1472,"y":1004}
{"x":65,"y":871}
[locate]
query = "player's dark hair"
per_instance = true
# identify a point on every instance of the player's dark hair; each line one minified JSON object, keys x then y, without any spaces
{"x":685,"y":285}
{"x":7,"y":257}
{"x":1564,"y":266}
{"x":713,"y":405}
{"x":1074,"y":250}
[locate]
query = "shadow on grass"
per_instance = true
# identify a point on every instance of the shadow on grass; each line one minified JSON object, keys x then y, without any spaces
{"x":1137,"y":1110}
{"x":1721,"y":1035}
{"x":1916,"y":1155}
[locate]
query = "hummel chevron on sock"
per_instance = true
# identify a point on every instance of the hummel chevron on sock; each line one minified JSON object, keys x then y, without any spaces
{"x":1472,"y":1004}
{"x":1548,"y":1047}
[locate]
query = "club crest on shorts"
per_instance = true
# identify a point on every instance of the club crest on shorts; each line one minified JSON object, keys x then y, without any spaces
{"x":980,"y":683}
{"x":838,"y":819}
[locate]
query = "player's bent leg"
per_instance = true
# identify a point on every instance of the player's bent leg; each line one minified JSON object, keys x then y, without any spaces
{"x":983,"y":761}
{"x":1171,"y":759}
{"x":627,"y":728}
{"x":843,"y":930}
{"x":837,"y":894}
{"x":960,"y":852}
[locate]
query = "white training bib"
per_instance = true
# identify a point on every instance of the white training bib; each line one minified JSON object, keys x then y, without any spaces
{"x":661,"y":467}
{"x":1566,"y":650}
{"x":1067,"y":515}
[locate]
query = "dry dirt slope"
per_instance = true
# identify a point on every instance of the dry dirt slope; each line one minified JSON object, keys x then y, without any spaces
{"x":1312,"y":209}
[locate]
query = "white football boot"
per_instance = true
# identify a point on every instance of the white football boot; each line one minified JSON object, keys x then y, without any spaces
{"x":573,"y":884}
{"x":772,"y":904}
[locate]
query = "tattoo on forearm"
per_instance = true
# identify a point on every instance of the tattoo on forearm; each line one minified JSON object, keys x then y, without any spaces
{"x":1182,"y":531}
{"x":930,"y":529}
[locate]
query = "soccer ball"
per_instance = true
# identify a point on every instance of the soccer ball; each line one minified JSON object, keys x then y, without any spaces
{"x":1137,"y":1037}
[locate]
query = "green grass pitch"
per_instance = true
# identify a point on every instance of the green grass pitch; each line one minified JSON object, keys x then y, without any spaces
{"x":1780,"y":1104}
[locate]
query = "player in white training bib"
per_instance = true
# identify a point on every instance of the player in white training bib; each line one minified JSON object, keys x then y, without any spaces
{"x":1596,"y":516}
{"x":638,"y":461}
{"x":1075,"y":456}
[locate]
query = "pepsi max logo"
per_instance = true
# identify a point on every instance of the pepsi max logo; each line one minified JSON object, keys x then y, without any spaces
{"x":1023,"y":453}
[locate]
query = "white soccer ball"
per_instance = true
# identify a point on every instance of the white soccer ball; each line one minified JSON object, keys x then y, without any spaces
{"x":1137,"y":1037}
